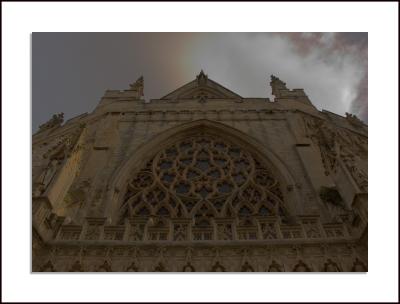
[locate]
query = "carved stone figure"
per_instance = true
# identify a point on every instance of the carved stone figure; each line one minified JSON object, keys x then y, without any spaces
{"x":138,"y":87}
{"x":277,"y":85}
{"x":354,"y":120}
{"x":55,"y":121}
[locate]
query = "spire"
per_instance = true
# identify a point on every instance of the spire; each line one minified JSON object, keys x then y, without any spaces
{"x":201,"y":78}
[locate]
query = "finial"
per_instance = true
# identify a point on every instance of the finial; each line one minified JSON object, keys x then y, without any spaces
{"x":201,"y":78}
{"x":138,"y":86}
{"x":277,"y":85}
{"x":55,"y":121}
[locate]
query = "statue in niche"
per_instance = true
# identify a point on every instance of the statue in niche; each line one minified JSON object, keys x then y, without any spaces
{"x":55,"y":121}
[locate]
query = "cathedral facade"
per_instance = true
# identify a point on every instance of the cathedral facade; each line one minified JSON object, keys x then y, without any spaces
{"x":201,"y":180}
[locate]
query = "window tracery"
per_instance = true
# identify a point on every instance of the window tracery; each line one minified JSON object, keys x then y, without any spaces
{"x":203,"y":178}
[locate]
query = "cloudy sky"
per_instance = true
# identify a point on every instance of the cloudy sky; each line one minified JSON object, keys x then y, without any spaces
{"x":71,"y":71}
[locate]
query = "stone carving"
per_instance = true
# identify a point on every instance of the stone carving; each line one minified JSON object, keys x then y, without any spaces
{"x":217,"y":267}
{"x":246,"y":267}
{"x":358,"y":266}
{"x":77,"y":195}
{"x":202,"y":78}
{"x":331,"y":266}
{"x":311,"y":229}
{"x":339,"y":144}
{"x":331,"y":196}
{"x":54,"y":122}
{"x":160,"y":268}
{"x":55,"y":161}
{"x":48,"y":267}
{"x":197,"y":177}
{"x":275,"y":267}
{"x":188,"y":267}
{"x":200,"y":188}
{"x":277,"y":85}
{"x":56,"y":156}
{"x":359,"y":176}
{"x":105,"y":267}
{"x":268,"y":230}
{"x":354,"y":120}
{"x":77,"y":267}
{"x":132,"y":268}
{"x":138,"y":87}
{"x":301,"y":267}
{"x":324,"y":137}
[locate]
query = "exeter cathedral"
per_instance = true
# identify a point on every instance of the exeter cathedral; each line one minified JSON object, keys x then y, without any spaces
{"x":201,"y":180}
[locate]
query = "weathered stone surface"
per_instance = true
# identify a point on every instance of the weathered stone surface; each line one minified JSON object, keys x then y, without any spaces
{"x":201,"y":179}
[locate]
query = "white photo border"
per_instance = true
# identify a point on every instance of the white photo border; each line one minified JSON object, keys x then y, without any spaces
{"x":380,"y":20}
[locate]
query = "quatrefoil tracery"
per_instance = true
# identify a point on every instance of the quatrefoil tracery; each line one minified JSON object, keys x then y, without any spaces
{"x":203,"y":172}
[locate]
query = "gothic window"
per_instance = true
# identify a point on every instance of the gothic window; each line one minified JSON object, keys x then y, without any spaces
{"x":204,"y":177}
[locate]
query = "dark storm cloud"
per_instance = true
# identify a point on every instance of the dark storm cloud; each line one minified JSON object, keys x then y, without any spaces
{"x":332,"y":46}
{"x":71,"y":71}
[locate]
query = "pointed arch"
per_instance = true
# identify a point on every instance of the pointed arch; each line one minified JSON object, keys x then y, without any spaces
{"x":203,"y":126}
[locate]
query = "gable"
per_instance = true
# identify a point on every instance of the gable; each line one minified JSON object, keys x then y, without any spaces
{"x":202,"y":88}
